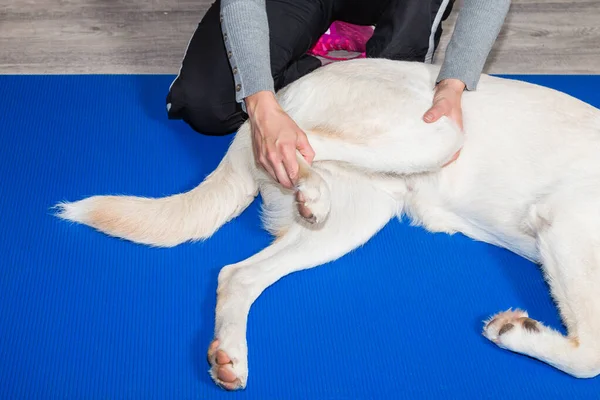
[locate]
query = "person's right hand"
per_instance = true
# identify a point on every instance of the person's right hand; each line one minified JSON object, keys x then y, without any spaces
{"x":275,"y":138}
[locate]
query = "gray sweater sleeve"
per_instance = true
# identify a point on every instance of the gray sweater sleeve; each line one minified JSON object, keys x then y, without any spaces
{"x":477,"y":28}
{"x":245,"y":30}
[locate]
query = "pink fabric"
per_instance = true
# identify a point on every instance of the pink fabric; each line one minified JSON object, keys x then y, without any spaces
{"x":343,"y":36}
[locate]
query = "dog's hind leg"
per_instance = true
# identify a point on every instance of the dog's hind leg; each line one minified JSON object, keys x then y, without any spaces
{"x":569,"y":244}
{"x":417,"y":148}
{"x":358,"y":212}
{"x":428,"y":148}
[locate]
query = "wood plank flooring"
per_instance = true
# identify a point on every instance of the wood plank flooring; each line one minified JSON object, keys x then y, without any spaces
{"x":150,"y":36}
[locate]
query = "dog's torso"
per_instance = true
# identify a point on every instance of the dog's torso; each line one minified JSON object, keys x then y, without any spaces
{"x":518,"y":148}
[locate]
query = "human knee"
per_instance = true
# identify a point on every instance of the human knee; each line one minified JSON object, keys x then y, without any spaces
{"x":205,"y":113}
{"x":210,"y":120}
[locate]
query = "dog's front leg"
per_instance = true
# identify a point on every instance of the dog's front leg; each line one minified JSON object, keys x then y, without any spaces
{"x":569,"y":242}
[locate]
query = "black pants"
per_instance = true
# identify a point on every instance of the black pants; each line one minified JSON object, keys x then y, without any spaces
{"x":203,"y":93}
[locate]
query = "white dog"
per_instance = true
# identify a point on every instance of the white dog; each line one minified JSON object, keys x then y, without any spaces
{"x":527,"y":179}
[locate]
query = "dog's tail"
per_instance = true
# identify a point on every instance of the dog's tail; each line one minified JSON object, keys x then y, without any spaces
{"x":169,"y":221}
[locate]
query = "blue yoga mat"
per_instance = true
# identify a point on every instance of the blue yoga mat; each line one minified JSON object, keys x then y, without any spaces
{"x":86,"y":316}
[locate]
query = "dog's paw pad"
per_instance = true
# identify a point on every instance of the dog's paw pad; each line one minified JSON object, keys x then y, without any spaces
{"x":223,"y":370}
{"x":509,"y":322}
{"x":312,"y":202}
{"x":303,"y":208}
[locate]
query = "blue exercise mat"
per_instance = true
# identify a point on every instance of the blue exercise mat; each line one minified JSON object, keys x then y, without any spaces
{"x":86,"y":316}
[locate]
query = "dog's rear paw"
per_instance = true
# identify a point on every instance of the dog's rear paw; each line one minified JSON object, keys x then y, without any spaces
{"x":226,"y":371}
{"x":312,"y":198}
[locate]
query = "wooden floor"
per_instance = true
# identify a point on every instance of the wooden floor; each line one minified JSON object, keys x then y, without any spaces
{"x":150,"y":36}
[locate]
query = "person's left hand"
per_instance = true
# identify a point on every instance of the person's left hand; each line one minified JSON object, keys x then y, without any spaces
{"x":447,"y":101}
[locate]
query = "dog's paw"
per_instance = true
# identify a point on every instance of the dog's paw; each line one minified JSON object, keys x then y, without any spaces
{"x":312,"y":199}
{"x":229,"y":368}
{"x":509,"y":325}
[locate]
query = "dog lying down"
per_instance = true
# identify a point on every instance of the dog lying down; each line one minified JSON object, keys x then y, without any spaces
{"x":527,"y":179}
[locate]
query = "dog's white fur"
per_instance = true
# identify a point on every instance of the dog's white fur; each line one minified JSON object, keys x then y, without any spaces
{"x":527,"y":179}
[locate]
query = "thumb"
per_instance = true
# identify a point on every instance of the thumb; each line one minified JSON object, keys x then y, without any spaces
{"x":435,"y":112}
{"x":305,"y":148}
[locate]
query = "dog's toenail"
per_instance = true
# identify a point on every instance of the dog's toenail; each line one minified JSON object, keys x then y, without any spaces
{"x":505,"y":328}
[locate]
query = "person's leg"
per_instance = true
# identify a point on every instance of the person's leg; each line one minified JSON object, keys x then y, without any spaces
{"x":203,"y":93}
{"x":409,"y":30}
{"x":359,"y":12}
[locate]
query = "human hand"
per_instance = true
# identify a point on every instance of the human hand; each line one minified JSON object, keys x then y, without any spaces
{"x":275,"y":138}
{"x":447,"y":101}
